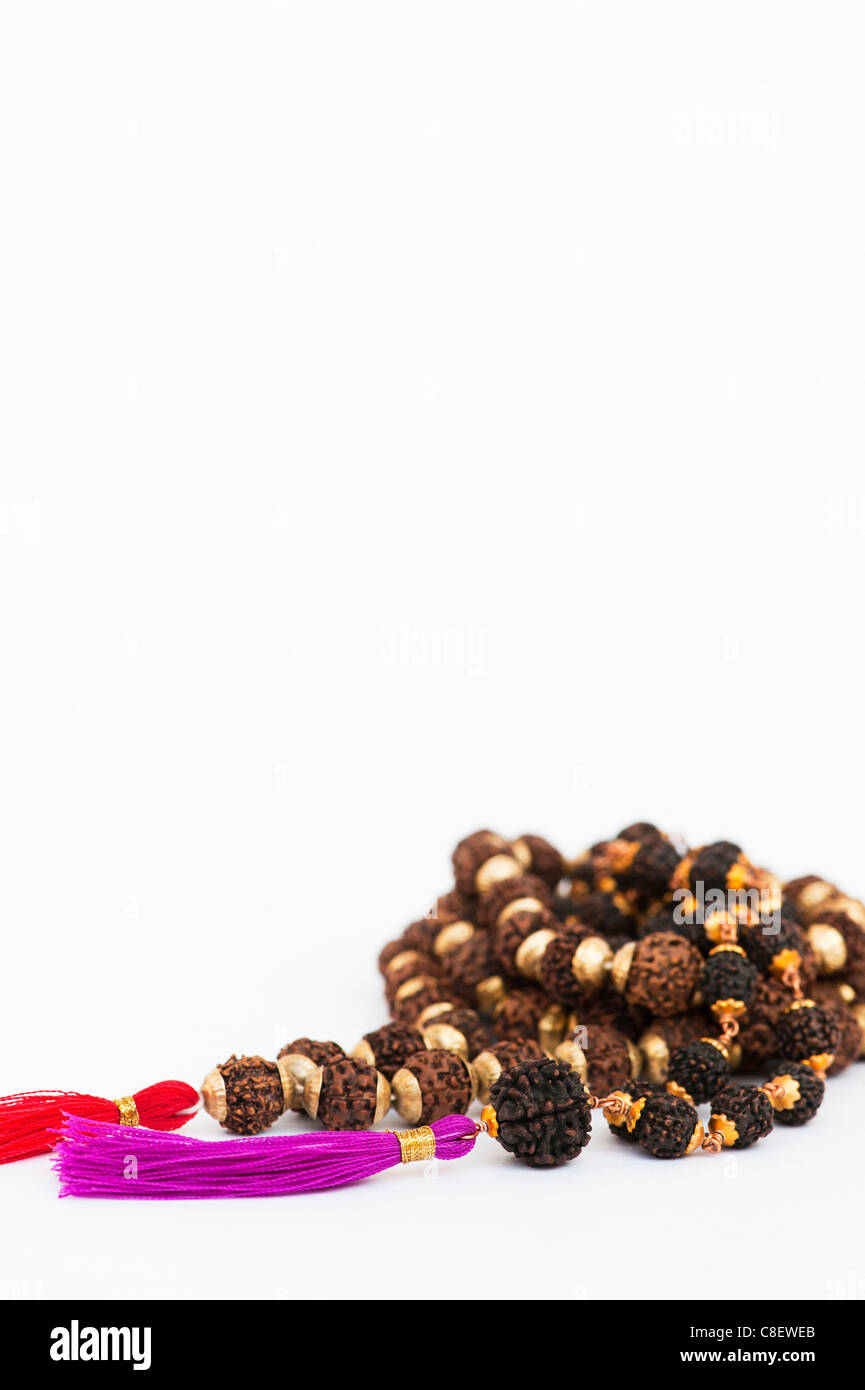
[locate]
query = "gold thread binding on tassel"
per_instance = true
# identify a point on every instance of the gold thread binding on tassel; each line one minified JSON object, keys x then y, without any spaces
{"x":415,"y":1145}
{"x":128,"y":1110}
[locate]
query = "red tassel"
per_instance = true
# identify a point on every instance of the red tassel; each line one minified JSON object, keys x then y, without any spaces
{"x":29,"y":1122}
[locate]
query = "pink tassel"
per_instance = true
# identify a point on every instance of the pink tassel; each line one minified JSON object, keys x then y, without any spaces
{"x":105,"y":1160}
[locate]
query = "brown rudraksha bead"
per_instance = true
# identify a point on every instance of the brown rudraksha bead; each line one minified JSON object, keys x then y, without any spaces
{"x":642,"y":865}
{"x":432,"y":1084}
{"x":741,"y":1115}
{"x":612,"y":1059}
{"x":609,"y":914}
{"x":827,"y":994}
{"x":514,"y":930}
{"x":347,"y":1094}
{"x":809,"y":1034}
{"x":301,"y":1057}
{"x":662,"y":1036}
{"x":541,"y":1112}
{"x":574,"y":966}
{"x":838,"y":943}
{"x":617,"y":1119}
{"x":520,"y":1012}
{"x":665,"y":1126}
{"x":717,"y":867}
{"x":660,"y":976}
{"x":254,"y":1096}
{"x":727,"y":981}
{"x":489,"y":1064}
{"x":482,"y":860}
{"x":776,"y":952}
{"x":698,"y":1070}
{"x":452,"y":907}
{"x":555,"y":971}
{"x":757,"y":1034}
{"x":457,"y":1030}
{"x":537,"y":856}
{"x":387,"y":1048}
{"x":807,"y":893}
{"x":413,"y":996}
{"x":408,"y":966}
{"x":526,"y":893}
{"x":667,"y":920}
{"x":796,"y":1092}
{"x":420,"y":935}
{"x":470,"y":974}
{"x":609,"y":1010}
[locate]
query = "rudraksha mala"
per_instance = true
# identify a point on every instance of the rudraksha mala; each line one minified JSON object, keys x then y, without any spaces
{"x":545,"y":988}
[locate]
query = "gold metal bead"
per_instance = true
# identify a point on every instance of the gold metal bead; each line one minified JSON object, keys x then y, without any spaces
{"x":573,"y":866}
{"x":814,"y":894}
{"x":635,"y":1059}
{"x":571,"y":1052}
{"x":213,"y":1095}
{"x":312,"y":1091}
{"x":522,"y":854}
{"x":621,"y":965}
{"x":396,"y":963}
{"x":290,"y":1089}
{"x":489,"y":993}
{"x":859,"y":1011}
{"x":448,"y":1038}
{"x":591,"y":962}
{"x":451,"y":936}
{"x":496,"y":869}
{"x":406,"y":1095}
{"x":841,"y":903}
{"x":412,"y":986}
{"x":382,"y":1097}
{"x":299,"y":1067}
{"x":551,"y":1028}
{"x":426,"y":1016}
{"x":519,"y":905}
{"x":487,"y":1069}
{"x":531,"y":952}
{"x":656,"y":1057}
{"x":829,"y":947}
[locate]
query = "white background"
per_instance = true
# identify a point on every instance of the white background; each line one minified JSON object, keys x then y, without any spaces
{"x":414,"y":417}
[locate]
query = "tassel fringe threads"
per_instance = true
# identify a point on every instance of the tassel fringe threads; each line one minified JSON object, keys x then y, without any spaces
{"x":29,"y":1122}
{"x":111,"y":1160}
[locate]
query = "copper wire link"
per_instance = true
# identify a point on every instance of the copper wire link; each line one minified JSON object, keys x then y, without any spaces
{"x":713,"y":1142}
{"x":612,"y":1104}
{"x":128,"y":1110}
{"x":792,"y":979}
